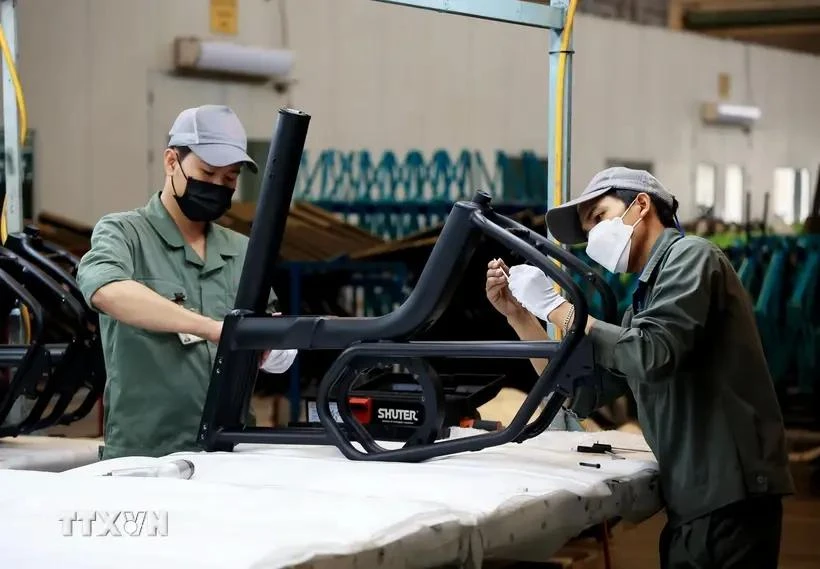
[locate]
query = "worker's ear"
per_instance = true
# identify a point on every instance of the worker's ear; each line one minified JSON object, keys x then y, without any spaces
{"x":170,"y":160}
{"x":644,"y":203}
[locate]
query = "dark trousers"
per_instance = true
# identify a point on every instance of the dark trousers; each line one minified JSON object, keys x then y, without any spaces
{"x":744,"y":535}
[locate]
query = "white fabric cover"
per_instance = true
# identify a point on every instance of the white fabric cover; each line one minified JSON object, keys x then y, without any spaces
{"x":280,"y":506}
{"x":52,"y":454}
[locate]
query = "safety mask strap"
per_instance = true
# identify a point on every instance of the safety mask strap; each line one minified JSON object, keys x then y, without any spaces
{"x":627,"y":211}
{"x":179,"y":163}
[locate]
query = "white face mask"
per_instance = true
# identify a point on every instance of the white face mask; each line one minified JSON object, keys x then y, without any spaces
{"x":609,"y":243}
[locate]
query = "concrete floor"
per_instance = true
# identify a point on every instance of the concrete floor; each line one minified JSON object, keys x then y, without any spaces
{"x":637,"y":547}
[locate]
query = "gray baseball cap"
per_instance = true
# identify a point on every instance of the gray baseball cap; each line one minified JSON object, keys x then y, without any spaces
{"x":564,"y":222}
{"x":214,"y":134}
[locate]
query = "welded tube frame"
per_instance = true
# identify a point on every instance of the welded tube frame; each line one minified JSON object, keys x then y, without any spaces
{"x":83,"y":364}
{"x":548,"y":383}
{"x":570,"y":359}
{"x":66,"y":376}
{"x":28,"y":370}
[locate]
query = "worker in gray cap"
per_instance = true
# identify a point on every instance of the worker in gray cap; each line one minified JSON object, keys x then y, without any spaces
{"x":163,"y":277}
{"x":689,"y":350}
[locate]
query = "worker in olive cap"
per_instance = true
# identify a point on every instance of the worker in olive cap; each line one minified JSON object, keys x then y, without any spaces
{"x":163,"y":277}
{"x":689,"y":350}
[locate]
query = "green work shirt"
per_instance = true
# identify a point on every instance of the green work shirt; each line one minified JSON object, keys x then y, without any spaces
{"x":156,"y":386}
{"x":689,"y":350}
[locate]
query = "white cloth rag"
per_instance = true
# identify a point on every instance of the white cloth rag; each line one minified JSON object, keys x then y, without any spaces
{"x":534,"y":290}
{"x":279,"y":361}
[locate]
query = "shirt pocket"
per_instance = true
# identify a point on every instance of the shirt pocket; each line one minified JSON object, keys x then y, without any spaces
{"x":169,"y":289}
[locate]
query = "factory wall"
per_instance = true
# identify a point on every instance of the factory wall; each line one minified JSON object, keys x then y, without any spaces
{"x":377,"y":77}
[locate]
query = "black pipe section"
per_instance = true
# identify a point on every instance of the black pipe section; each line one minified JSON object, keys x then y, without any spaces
{"x":31,"y":247}
{"x":11,"y":355}
{"x":272,"y":208}
{"x":234,"y":372}
{"x":42,"y":286}
{"x":435,"y":288}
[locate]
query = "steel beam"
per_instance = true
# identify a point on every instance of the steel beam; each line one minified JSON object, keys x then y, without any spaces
{"x":11,"y":129}
{"x":509,"y":11}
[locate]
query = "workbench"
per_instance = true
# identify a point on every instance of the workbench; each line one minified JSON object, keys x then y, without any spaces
{"x":49,"y":454}
{"x":288,"y":506}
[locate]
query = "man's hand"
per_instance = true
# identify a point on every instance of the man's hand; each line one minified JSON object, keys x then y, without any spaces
{"x":212,"y":331}
{"x":534,"y":290}
{"x":137,"y":305}
{"x":498,"y":291}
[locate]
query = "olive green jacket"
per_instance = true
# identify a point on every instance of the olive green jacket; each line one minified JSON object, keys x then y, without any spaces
{"x":156,"y":386}
{"x":689,"y":350}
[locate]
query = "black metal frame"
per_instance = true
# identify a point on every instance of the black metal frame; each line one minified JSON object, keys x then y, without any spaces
{"x":44,"y":370}
{"x":247,"y":330}
{"x":83,"y":363}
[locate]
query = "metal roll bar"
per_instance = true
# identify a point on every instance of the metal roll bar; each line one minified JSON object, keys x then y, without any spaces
{"x":83,"y":364}
{"x":64,"y":365}
{"x":368,"y":341}
{"x":34,"y":363}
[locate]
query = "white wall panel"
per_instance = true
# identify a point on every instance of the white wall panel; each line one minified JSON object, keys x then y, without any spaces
{"x":382,"y":77}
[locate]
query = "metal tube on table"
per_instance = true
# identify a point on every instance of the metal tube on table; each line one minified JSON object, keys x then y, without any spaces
{"x":182,"y":469}
{"x":272,"y":208}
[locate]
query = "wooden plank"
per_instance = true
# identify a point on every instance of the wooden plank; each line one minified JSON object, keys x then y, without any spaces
{"x":311,"y":233}
{"x":744,"y":5}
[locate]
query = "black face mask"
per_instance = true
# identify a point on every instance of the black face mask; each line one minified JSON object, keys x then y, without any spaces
{"x":203,"y":201}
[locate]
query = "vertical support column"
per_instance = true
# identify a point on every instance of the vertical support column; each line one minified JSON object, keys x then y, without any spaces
{"x":558,"y":163}
{"x":11,"y":128}
{"x":558,"y":193}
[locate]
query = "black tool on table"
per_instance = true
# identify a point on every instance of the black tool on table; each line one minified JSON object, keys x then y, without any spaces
{"x":600,"y":448}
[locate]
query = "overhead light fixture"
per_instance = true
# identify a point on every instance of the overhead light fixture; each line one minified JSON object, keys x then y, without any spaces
{"x":730,"y":114}
{"x":193,"y":56}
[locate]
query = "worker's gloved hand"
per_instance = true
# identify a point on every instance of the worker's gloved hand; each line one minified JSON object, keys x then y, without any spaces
{"x":278,"y":361}
{"x":534,"y":290}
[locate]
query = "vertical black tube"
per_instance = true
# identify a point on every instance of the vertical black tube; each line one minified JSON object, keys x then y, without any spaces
{"x":748,"y":215}
{"x":275,"y":195}
{"x":765,"y":213}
